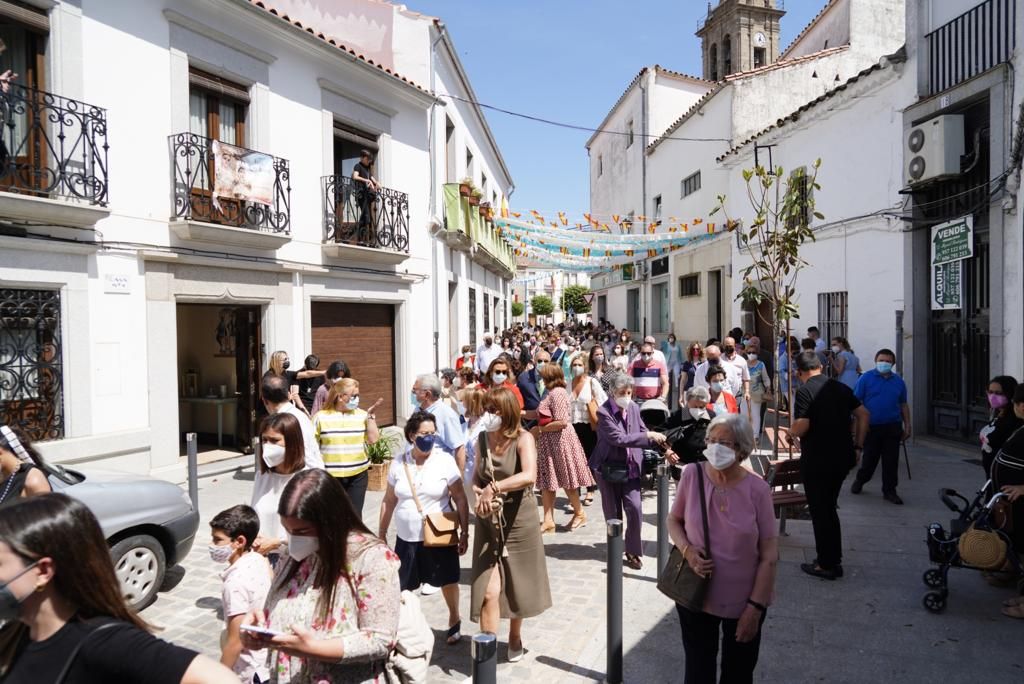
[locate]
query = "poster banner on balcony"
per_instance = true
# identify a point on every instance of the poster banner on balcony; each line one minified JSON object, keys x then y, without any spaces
{"x":240,"y":174}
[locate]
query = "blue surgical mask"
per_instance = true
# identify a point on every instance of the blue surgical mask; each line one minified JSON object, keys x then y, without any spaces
{"x":353,"y":403}
{"x":499,"y":378}
{"x":717,"y":386}
{"x":883,"y":367}
{"x":413,"y":400}
{"x":425,"y":443}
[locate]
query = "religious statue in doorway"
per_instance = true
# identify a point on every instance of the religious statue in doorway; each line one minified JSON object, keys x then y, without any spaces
{"x":226,"y":332}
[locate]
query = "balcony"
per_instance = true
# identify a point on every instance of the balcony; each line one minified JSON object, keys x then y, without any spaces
{"x":465,"y":228}
{"x":228,"y":195}
{"x":362,"y":225}
{"x":53,"y":159}
{"x":974,"y":42}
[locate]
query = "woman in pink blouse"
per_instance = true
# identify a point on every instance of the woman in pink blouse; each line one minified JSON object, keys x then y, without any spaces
{"x":335,"y":600}
{"x":744,"y":552}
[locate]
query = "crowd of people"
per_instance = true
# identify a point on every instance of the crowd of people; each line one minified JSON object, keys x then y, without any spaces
{"x":313,"y":593}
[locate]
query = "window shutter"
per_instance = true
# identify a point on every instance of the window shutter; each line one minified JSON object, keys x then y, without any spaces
{"x":36,"y":20}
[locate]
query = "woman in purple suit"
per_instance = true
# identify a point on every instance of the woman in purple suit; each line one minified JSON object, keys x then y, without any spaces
{"x":618,"y":458}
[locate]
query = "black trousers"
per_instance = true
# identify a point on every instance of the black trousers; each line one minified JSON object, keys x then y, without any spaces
{"x":701,"y":635}
{"x":822,"y":491}
{"x":882,"y":443}
{"x":355,"y":487}
{"x":588,"y":440}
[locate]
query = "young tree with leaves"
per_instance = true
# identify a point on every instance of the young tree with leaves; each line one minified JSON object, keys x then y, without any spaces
{"x":783,"y":209}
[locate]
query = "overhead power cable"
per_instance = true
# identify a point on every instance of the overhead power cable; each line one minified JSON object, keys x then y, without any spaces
{"x":576,"y":127}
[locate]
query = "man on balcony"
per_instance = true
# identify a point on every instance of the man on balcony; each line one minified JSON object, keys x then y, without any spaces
{"x":366,"y":190}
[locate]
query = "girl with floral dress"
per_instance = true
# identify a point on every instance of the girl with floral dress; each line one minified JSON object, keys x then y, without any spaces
{"x":335,"y":600}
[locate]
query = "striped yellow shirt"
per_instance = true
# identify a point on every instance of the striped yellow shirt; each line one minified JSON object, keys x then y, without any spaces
{"x":342,"y":439}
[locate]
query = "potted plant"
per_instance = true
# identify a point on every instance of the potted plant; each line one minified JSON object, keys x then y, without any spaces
{"x":474,"y":197}
{"x":466,"y":186}
{"x":485,"y":210}
{"x":380,"y":454}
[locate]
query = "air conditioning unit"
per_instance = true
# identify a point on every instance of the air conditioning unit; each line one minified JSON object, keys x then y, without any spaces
{"x":934,"y":148}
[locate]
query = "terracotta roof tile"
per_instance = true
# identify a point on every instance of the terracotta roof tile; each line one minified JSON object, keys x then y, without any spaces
{"x":735,"y":77}
{"x":330,"y":41}
{"x":896,"y":58}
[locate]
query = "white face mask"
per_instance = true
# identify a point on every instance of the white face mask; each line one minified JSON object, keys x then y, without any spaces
{"x":466,"y":355}
{"x":491,"y":422}
{"x":836,"y":349}
{"x":719,"y":456}
{"x":623,"y":402}
{"x":300,"y":547}
{"x":220,"y":553}
{"x":273,"y":455}
{"x":499,"y":378}
{"x":577,"y":371}
{"x":698,"y":413}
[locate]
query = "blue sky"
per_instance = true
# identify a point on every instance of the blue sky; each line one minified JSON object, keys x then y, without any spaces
{"x":569,"y":60}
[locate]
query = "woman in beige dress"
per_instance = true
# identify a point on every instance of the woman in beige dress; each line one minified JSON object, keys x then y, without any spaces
{"x":510,"y":576}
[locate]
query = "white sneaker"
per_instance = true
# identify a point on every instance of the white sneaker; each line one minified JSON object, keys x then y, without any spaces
{"x":428,"y":589}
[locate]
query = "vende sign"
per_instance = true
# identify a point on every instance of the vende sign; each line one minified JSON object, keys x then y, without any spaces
{"x":953,"y":240}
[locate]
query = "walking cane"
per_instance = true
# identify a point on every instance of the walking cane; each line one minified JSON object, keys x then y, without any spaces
{"x":906,"y":459}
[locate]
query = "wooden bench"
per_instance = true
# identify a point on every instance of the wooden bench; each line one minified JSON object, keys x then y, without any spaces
{"x":782,"y":476}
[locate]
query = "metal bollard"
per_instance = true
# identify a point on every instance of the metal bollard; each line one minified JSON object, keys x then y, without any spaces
{"x":257,"y":453}
{"x":485,"y":658}
{"x":616,"y":547}
{"x":191,"y":445}
{"x":663,"y":541}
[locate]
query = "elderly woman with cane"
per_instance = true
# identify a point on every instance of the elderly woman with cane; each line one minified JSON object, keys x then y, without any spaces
{"x":738,"y":553}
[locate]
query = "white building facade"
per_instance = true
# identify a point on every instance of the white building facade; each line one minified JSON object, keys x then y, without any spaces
{"x":145,"y":286}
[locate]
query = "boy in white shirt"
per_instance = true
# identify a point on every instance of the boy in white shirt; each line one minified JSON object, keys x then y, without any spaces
{"x":246,"y":584}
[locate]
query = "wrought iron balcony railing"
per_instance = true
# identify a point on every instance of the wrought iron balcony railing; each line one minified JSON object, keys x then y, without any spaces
{"x":220,"y":183}
{"x":358,"y":216}
{"x":52,"y":146}
{"x":975,"y":41}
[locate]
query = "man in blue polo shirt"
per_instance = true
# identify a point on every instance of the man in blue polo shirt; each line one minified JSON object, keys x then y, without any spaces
{"x":885,"y":395}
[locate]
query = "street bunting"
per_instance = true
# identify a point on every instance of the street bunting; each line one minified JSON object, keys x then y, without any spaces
{"x":947,"y":285}
{"x":953,"y":240}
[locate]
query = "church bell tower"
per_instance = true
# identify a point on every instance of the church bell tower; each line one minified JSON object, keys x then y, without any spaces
{"x":739,"y":35}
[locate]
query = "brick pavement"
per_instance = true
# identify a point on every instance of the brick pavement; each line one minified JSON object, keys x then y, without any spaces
{"x":868,"y":626}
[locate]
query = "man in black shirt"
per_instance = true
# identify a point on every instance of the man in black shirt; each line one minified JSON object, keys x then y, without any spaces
{"x":831,"y":424}
{"x":366,"y":189}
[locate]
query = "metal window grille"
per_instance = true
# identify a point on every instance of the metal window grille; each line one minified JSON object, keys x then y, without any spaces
{"x":970,"y":44}
{"x":472,"y":317}
{"x":31,"y":368}
{"x":689,"y":285}
{"x":689,"y":185}
{"x":833,"y":315}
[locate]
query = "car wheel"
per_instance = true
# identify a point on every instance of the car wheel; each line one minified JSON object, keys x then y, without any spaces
{"x":139,"y":564}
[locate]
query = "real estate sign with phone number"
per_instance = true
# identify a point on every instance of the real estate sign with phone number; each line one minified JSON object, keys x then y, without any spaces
{"x":952,"y":242}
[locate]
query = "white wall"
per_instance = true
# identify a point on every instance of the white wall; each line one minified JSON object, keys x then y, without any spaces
{"x":859,"y":175}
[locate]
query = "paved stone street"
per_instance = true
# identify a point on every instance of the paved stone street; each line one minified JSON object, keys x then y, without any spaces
{"x":869,"y":626}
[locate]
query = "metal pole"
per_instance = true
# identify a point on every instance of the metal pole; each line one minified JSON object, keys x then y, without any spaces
{"x":257,"y":453}
{"x":663,"y":469}
{"x":485,"y":658}
{"x":191,"y":444}
{"x":614,"y":598}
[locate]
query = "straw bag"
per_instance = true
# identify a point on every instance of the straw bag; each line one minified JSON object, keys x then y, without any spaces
{"x":678,"y":581}
{"x":983,"y":549}
{"x":439,"y":529}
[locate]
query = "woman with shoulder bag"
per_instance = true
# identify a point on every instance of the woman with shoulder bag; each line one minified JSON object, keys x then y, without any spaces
{"x":510,"y":575}
{"x":561,"y":462}
{"x":760,"y":390}
{"x":66,"y":620}
{"x":587,"y":395}
{"x":737,"y":557}
{"x":618,"y":461}
{"x":422,"y":484}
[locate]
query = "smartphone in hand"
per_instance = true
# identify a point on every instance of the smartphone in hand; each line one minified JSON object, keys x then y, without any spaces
{"x":261,"y":631}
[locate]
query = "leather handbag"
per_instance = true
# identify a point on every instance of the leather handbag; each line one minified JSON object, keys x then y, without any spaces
{"x":592,"y":407}
{"x":678,"y":581}
{"x":615,"y":473}
{"x":439,"y":529}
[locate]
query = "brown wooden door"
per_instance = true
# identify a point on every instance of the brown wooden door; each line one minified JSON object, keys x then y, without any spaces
{"x":363,"y":336}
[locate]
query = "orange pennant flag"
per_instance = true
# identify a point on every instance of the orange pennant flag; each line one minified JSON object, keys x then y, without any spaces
{"x":711,"y":228}
{"x":615,"y":218}
{"x":516,"y":214}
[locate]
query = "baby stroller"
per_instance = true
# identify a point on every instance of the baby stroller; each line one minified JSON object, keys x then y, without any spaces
{"x":990,"y":547}
{"x":654,"y":413}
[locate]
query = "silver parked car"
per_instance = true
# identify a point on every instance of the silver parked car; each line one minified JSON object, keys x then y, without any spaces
{"x":149,"y":524}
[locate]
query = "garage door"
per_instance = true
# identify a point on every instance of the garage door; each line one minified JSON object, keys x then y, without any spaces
{"x":363,"y":336}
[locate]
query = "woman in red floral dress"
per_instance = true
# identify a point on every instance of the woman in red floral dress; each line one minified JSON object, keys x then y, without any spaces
{"x":561,"y":463}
